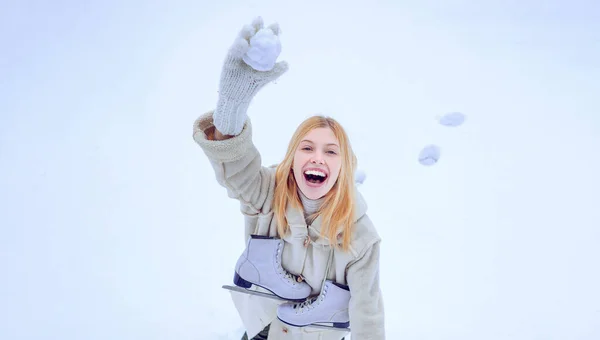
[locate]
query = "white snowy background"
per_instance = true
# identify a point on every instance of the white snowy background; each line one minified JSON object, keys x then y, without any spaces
{"x":113,"y":227}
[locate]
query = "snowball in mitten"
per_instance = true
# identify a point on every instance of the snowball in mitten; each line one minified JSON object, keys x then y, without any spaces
{"x":240,"y":82}
{"x":264,"y":49}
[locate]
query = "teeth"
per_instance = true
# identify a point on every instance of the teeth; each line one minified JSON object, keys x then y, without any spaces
{"x":315,"y":173}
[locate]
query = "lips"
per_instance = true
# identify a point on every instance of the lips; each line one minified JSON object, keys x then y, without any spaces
{"x":316,"y":169}
{"x":315,"y":177}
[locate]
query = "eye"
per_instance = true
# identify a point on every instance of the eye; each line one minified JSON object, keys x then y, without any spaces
{"x":306,"y":148}
{"x":331,"y":152}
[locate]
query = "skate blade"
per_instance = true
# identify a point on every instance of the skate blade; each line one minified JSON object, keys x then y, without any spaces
{"x":320,"y":326}
{"x":316,"y":325}
{"x":253,"y":292}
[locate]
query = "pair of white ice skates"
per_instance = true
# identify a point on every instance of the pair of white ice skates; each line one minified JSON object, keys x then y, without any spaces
{"x":260,"y":265}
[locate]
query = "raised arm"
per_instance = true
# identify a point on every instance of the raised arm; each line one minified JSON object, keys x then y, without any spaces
{"x":240,"y":82}
{"x":225,"y":134}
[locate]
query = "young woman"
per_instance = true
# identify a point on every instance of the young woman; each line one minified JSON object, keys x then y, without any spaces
{"x":308,"y":236}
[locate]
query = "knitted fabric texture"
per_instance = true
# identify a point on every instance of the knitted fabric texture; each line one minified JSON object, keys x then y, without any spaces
{"x":310,"y":206}
{"x":239,"y":82}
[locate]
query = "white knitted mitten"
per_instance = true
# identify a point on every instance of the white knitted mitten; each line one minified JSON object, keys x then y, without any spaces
{"x":240,"y":82}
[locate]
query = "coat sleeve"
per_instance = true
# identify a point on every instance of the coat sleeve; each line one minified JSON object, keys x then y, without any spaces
{"x":366,"y":301}
{"x":237,"y":165}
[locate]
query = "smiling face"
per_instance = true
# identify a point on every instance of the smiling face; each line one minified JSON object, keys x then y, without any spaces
{"x":317,"y":162}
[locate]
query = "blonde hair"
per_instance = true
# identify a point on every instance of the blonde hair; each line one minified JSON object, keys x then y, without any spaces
{"x":337,"y":210}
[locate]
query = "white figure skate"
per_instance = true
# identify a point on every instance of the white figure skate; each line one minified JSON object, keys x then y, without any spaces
{"x":260,"y":265}
{"x":329,"y":309}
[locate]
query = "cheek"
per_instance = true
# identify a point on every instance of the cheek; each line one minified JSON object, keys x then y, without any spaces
{"x":299,"y":160}
{"x":337,"y":169}
{"x":297,"y":164}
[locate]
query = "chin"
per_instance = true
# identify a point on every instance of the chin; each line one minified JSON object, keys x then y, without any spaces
{"x":314,"y":196}
{"x":313,"y":193}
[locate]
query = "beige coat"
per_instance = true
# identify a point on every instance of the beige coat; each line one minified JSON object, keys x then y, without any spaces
{"x":238,"y":168}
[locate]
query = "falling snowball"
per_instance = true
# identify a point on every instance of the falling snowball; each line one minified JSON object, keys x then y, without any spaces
{"x":360,"y":176}
{"x":452,"y":119}
{"x":264,"y":49}
{"x":429,"y":155}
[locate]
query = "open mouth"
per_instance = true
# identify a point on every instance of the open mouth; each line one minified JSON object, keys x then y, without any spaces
{"x":315,"y":176}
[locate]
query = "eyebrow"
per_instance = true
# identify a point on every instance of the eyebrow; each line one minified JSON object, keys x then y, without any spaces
{"x":311,"y":142}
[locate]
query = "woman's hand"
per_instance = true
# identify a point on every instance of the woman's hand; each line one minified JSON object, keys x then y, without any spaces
{"x":239,"y":81}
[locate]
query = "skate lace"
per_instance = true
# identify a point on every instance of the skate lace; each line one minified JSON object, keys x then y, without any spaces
{"x":310,"y":303}
{"x":290,"y":277}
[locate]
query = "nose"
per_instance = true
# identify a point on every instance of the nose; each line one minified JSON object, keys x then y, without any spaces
{"x":318,"y":157}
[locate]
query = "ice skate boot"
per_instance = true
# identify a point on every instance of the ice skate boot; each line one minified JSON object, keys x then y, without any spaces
{"x":260,"y":264}
{"x":330,"y":308}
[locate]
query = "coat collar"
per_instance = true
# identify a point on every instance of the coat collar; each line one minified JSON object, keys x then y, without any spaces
{"x":300,"y":230}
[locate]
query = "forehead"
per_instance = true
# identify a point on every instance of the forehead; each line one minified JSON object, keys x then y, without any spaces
{"x":321,"y":136}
